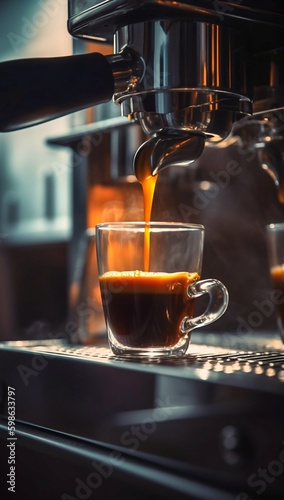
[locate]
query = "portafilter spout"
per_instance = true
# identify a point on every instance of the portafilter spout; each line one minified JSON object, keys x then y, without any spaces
{"x":167,"y":150}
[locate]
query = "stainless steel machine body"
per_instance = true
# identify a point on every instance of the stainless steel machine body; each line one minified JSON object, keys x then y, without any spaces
{"x":190,"y":68}
{"x":197,"y":68}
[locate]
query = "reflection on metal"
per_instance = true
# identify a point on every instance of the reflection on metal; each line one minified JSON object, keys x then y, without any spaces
{"x":206,"y":361}
{"x":265,"y":134}
{"x":166,"y":151}
{"x":193,"y":80}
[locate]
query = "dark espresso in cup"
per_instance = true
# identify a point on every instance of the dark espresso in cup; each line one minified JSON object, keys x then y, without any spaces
{"x":145,"y":309}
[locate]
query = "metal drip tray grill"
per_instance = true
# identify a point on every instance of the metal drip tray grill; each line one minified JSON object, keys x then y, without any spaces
{"x":98,"y":399}
{"x":265,"y":359}
{"x":91,"y":383}
{"x":217,"y":359}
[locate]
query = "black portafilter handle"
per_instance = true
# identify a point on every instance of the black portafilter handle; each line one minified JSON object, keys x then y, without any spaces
{"x":36,"y":90}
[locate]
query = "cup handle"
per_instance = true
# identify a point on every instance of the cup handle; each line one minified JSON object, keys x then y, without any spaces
{"x":218,"y":303}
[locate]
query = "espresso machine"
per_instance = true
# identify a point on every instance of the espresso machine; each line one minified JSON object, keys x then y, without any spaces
{"x":187,"y":72}
{"x":202,"y":83}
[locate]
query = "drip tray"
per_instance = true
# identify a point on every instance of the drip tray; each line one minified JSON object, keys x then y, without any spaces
{"x":217,"y":412}
{"x":259,"y":358}
{"x":267,"y":358}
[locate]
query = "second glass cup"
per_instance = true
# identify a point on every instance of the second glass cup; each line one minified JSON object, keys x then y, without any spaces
{"x":275,"y":242}
{"x":149,"y":277}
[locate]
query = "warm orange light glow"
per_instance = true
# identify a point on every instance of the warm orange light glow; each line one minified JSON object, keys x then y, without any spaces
{"x":114,"y":204}
{"x":110,"y":204}
{"x":215,"y":42}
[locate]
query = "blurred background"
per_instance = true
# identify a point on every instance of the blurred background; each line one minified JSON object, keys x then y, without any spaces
{"x":35,"y":196}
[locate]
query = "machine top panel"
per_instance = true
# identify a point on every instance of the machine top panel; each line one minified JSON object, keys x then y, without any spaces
{"x":99,"y":20}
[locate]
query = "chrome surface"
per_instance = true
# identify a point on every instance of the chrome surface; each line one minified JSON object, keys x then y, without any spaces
{"x":194,"y":79}
{"x":265,"y":133}
{"x":169,"y":151}
{"x":255,"y":360}
{"x":98,"y":20}
{"x":127,"y":69}
{"x":269,"y":81}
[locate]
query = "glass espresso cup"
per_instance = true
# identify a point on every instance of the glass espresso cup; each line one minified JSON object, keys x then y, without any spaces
{"x":149,"y":278}
{"x":275,"y":242}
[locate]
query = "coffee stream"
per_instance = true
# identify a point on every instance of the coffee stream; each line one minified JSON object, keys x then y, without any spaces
{"x":148,"y":182}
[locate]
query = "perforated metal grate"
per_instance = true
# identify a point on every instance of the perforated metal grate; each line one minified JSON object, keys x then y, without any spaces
{"x":269,"y":363}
